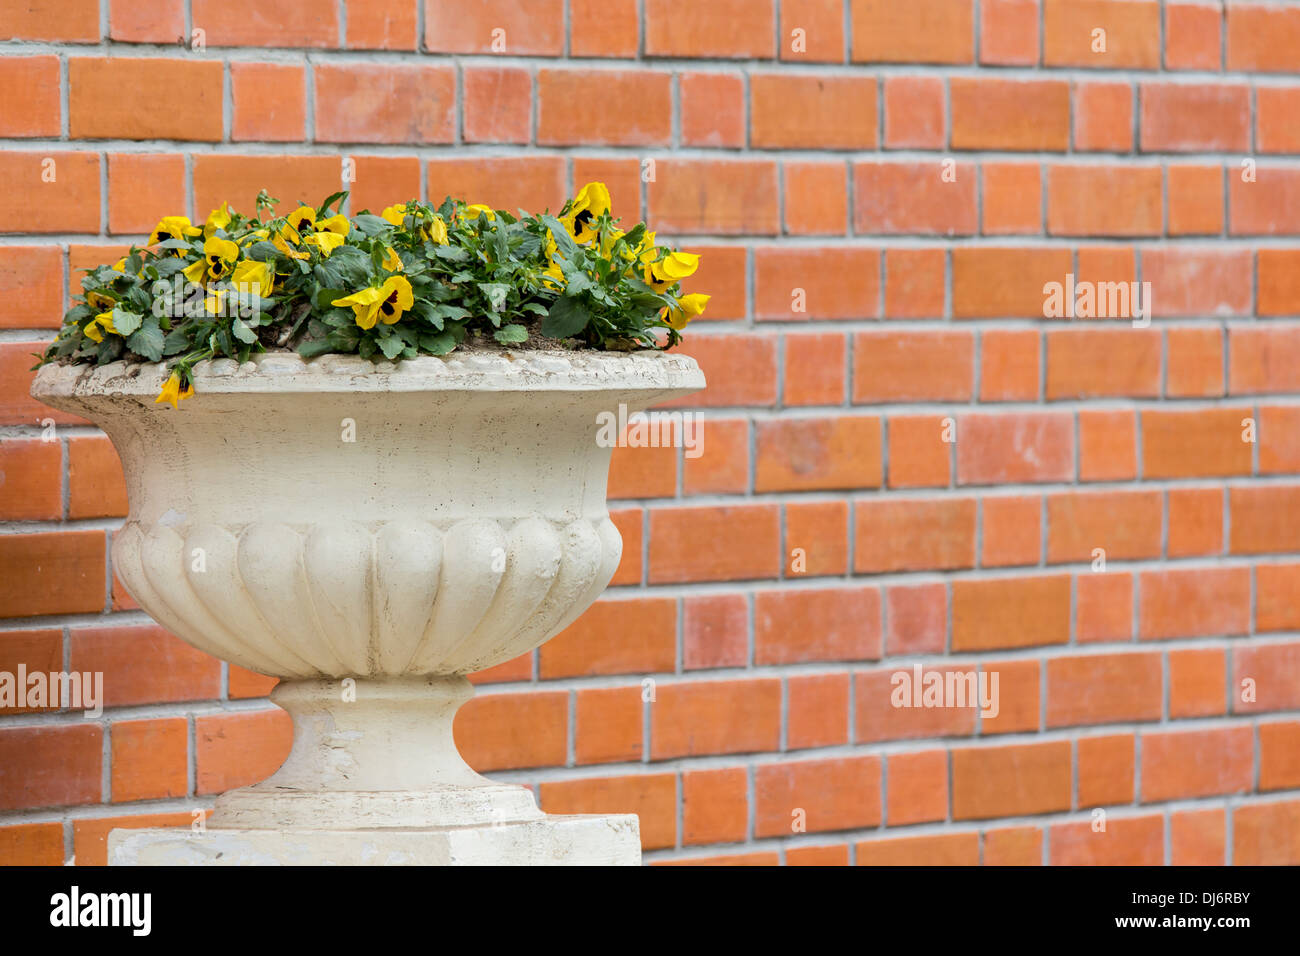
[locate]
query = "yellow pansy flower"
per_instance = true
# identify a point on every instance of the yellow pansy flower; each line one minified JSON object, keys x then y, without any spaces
{"x":285,"y":240}
{"x":672,"y":268}
{"x":219,"y":257}
{"x":120,"y":264}
{"x":689,"y":307}
{"x":99,"y":300}
{"x":338,"y":225}
{"x":253,"y":276}
{"x":172,"y":227}
{"x":589,"y":205}
{"x":472,"y":211}
{"x":326,"y":242}
{"x":102,"y":323}
{"x":392,"y":261}
{"x":300,"y":219}
{"x":395,"y":214}
{"x":212,"y":302}
{"x":172,"y":391}
{"x":437,"y":229}
{"x":386,"y":303}
{"x":554,"y":277}
{"x":219,"y":218}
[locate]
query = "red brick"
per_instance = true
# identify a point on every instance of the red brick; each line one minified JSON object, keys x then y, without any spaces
{"x":269,"y":102}
{"x":1183,"y":117}
{"x":1266,"y":834}
{"x":608,"y":724}
{"x":372,"y":103}
{"x":1132,"y":33}
{"x":187,"y":106}
{"x":945,"y":849}
{"x":715,"y":717}
{"x":1193,"y":41}
{"x":38,"y":651}
{"x":712,"y":109}
{"x":1263,"y":37}
{"x":723,"y":274}
{"x":615,"y":637}
{"x":32,"y":480}
{"x":1014,"y":448}
{"x":142,"y":188}
{"x":149,"y":759}
{"x":914,"y":112}
{"x":176,"y":671}
{"x":1195,"y":522}
{"x":1104,"y":607}
{"x":381,"y":24}
{"x":915,"y":283}
{"x":31,"y":844}
{"x":814,"y":369}
{"x":816,"y":198}
{"x":50,"y":192}
{"x":1278,"y":277}
{"x":1107,"y":445}
{"x":1104,"y":689}
{"x":809,"y":454}
{"x":1266,"y":206}
{"x":1124,"y":524}
{"x":741,"y":370}
{"x":30,"y":85}
{"x":1015,"y":780}
{"x":1106,"y":770}
{"x":277,"y":23}
{"x":1194,"y":362}
{"x":1100,"y":363}
{"x":817,"y":711}
{"x":918,"y":455}
{"x":909,"y":534}
{"x":52,"y":573}
{"x":90,"y":837}
{"x":506,"y":731}
{"x":534,"y":183}
{"x":629,"y":524}
{"x":1275,"y":106}
{"x":1103,"y":117}
{"x":917,"y":787}
{"x":822,"y":795}
{"x":816,"y":537}
{"x":1263,"y":519}
{"x":647,"y":472}
{"x":1197,"y":837}
{"x":31,"y":287}
{"x":816,"y":283}
{"x":1012,"y":530}
{"x":1279,"y":766}
{"x":603,"y":28}
{"x":916,"y":619}
{"x":811,"y":31}
{"x":634,"y":108}
{"x":50,"y":766}
{"x":1009,"y":32}
{"x":724,"y":28}
{"x":997,"y":114}
{"x":1273,"y":670}
{"x":1126,"y":841}
{"x":812,"y":112}
{"x":1009,"y":365}
{"x":1274,"y":586}
{"x":1195,"y":200}
{"x":817,"y":856}
{"x":920,"y":366}
{"x":1186,"y":444}
{"x":1197,"y":763}
{"x":715,"y":631}
{"x":652,"y":797}
{"x":733,"y":543}
{"x":914,"y":198}
{"x":382,"y":181}
{"x":1010,"y":612}
{"x":1018,"y":697}
{"x":727,"y":197}
{"x":723,"y":463}
{"x":715,"y":806}
{"x":926,"y":31}
{"x":1013,"y":203}
{"x":1104,"y":201}
{"x":1193,"y":602}
{"x":827,"y":624}
{"x":1197,"y":679}
{"x":1260,"y":359}
{"x":876,"y":718}
{"x":74,"y":21}
{"x":220,"y":178}
{"x":1013,"y":846}
{"x":529,"y":27}
{"x":96,"y":486}
{"x":992,"y":282}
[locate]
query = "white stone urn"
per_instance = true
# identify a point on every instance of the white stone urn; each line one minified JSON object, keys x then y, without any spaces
{"x":369,"y":534}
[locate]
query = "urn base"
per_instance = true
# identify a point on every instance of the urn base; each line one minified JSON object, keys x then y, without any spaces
{"x":550,"y":840}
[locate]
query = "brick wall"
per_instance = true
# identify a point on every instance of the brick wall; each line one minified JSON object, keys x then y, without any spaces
{"x":880,"y":200}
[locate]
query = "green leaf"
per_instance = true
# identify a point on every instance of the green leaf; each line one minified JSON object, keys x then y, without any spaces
{"x":371,"y":225}
{"x":310,"y":348}
{"x":126,"y":322}
{"x":508,"y":334}
{"x":243,"y":332}
{"x":496,"y":294}
{"x":438,"y":343}
{"x":563,"y":241}
{"x":148,"y":342}
{"x":325,"y":298}
{"x":566,"y":318}
{"x":391,"y":346}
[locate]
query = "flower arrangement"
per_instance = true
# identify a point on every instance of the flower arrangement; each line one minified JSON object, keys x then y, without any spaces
{"x":416,"y":279}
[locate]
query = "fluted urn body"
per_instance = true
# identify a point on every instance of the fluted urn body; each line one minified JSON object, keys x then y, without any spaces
{"x":400,"y":525}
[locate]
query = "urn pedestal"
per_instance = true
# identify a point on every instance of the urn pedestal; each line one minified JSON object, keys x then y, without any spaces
{"x":369,"y":534}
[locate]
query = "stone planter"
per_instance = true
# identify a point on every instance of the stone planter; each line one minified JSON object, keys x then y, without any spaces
{"x":370,"y":534}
